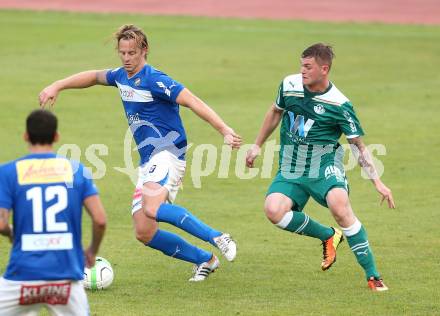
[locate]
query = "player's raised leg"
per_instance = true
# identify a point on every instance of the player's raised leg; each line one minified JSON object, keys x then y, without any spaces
{"x":147,"y":231}
{"x":278,"y":208}
{"x":339,"y":204}
{"x":182,"y":218}
{"x":155,"y":196}
{"x":159,"y":183}
{"x":172,"y":245}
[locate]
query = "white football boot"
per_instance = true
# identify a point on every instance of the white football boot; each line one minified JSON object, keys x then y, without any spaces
{"x":227,"y":246}
{"x":203,"y":270}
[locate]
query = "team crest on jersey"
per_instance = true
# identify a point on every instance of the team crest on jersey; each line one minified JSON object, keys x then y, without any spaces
{"x":137,"y":82}
{"x":319,"y":109}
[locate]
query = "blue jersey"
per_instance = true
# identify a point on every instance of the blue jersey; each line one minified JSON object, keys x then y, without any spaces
{"x":149,"y":99}
{"x":46,"y":194}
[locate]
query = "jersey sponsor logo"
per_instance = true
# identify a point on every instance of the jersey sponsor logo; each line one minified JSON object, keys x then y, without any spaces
{"x":351,"y":121}
{"x":42,"y":171}
{"x":46,"y":242}
{"x":133,"y":118}
{"x":333,"y":171}
{"x":297,"y":125}
{"x":50,"y":293}
{"x":166,"y":90}
{"x":319,"y":109}
{"x":127,"y":93}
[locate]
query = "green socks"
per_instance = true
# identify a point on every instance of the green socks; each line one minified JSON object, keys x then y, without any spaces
{"x":301,"y":223}
{"x":358,"y":241}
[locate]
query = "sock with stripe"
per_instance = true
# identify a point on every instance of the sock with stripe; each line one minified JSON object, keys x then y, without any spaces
{"x":301,"y":223}
{"x":180,"y":217}
{"x":174,"y":246}
{"x":358,"y":241}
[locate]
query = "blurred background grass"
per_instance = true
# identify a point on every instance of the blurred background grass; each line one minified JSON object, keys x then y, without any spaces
{"x":390,"y":73}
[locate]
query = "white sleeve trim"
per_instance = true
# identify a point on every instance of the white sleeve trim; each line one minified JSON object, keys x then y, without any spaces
{"x":279,"y":108}
{"x":351,"y":136}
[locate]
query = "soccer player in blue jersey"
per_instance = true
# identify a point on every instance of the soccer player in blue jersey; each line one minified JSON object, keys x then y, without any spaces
{"x":46,"y":193}
{"x":151,"y":102}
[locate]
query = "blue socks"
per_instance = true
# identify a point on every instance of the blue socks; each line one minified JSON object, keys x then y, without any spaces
{"x":180,"y":217}
{"x":174,"y":246}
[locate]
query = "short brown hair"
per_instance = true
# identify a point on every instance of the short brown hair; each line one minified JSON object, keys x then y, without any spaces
{"x":130,"y":31}
{"x":322,"y":53}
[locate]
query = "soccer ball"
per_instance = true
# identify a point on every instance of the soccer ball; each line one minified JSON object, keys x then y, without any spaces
{"x":100,"y":276}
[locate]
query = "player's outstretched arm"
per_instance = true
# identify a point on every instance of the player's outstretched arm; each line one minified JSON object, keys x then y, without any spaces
{"x":80,"y":80}
{"x":363,"y":156}
{"x":187,"y":99}
{"x":5,"y":227}
{"x":99,"y":221}
{"x":270,"y":122}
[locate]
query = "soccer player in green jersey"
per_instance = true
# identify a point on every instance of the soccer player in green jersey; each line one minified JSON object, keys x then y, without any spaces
{"x":313,"y":115}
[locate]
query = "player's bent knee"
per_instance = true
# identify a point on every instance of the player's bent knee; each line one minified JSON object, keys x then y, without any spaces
{"x":344,"y":216}
{"x":339,"y":218}
{"x":145,"y":235}
{"x":276,"y":206}
{"x":144,"y":228}
{"x":150,"y":210}
{"x":273,"y":212}
{"x":337,"y":198}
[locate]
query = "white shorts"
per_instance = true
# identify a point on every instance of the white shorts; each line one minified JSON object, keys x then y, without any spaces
{"x":163,"y":168}
{"x":27,"y":298}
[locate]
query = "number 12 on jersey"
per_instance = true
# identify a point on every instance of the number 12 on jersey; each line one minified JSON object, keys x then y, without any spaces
{"x":36,"y":195}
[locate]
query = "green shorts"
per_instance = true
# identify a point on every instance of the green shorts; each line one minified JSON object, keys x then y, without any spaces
{"x":300,"y":189}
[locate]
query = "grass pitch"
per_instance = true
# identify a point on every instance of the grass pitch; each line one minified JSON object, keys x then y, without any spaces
{"x":389,"y":72}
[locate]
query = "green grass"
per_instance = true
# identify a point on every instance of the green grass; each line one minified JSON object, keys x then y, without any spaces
{"x":389,"y":72}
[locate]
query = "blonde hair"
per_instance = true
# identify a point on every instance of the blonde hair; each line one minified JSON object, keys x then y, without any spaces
{"x":130,"y":31}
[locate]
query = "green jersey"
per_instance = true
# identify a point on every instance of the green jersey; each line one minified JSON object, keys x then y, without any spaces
{"x":311,"y":126}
